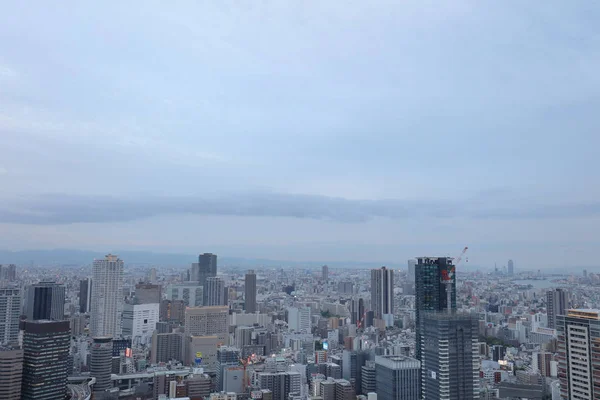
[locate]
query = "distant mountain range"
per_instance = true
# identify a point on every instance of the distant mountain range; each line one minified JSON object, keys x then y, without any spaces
{"x":84,"y":257}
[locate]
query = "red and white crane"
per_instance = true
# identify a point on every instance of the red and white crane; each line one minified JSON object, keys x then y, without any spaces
{"x":448,"y":278}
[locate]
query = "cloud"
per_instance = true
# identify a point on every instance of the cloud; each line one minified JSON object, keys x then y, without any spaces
{"x":69,"y":209}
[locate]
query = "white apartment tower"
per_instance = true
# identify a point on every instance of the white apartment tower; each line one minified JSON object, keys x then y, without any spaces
{"x":107,"y":297}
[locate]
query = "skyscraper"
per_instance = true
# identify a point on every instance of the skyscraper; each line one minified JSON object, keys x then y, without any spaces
{"x":139,"y":320}
{"x":215,"y":291}
{"x":205,"y":268}
{"x":578,"y":352}
{"x":167,"y":347}
{"x":11,"y":373}
{"x":45,"y":359}
{"x":10,"y":310}
{"x":450,"y":356}
{"x":412,"y":264}
{"x":101,"y":364}
{"x":250,"y":292}
{"x":8,"y":272}
{"x":146,"y":293}
{"x":325,"y":273}
{"x":46,"y":300}
{"x":397,"y":378}
{"x":511,"y":267}
{"x":299,"y":319}
{"x":85,"y":295}
{"x":357,"y":312}
{"x":382,"y":294}
{"x":557,"y":303}
{"x":107,"y":297}
{"x":207,"y":321}
{"x":431,"y":293}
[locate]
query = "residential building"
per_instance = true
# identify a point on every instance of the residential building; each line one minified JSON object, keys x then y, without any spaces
{"x":557,"y":303}
{"x":166,"y":347}
{"x":107,"y":296}
{"x":282,"y":384}
{"x":10,"y":310}
{"x":382,"y":294}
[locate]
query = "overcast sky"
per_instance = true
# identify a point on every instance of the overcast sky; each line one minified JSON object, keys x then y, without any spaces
{"x":303,"y":130}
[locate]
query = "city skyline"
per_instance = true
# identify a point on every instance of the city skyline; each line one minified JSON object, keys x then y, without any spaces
{"x":283,"y":126}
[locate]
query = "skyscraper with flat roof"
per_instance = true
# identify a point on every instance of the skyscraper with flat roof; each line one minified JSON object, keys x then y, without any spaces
{"x":10,"y":310}
{"x":325,"y":273}
{"x":557,"y":303}
{"x":11,"y":373}
{"x":382,"y":294}
{"x":46,"y":300}
{"x":107,"y":297}
{"x":215,"y":291}
{"x":85,"y":295}
{"x":511,"y":267}
{"x":101,"y":364}
{"x":205,"y":267}
{"x":397,"y":378}
{"x":431,"y":292}
{"x":250,"y":292}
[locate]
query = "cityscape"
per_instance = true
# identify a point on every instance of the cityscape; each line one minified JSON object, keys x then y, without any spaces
{"x":426,"y":331}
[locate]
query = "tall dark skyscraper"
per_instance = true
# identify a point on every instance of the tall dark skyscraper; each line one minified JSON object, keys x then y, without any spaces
{"x":450,"y":357}
{"x":214,"y":290}
{"x":357,"y":312}
{"x":431,"y":292}
{"x":85,"y":295}
{"x":382,"y":294}
{"x":45,"y":359}
{"x":250,"y":292}
{"x":511,"y":267}
{"x":325,"y":273}
{"x":557,"y":303}
{"x":205,"y":267}
{"x":46,"y":300}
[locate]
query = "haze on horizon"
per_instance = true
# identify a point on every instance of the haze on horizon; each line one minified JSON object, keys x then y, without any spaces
{"x":303,"y":130}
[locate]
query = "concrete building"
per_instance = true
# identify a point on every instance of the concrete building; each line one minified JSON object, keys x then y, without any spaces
{"x":11,"y":373}
{"x":578,"y":335}
{"x":205,"y":267}
{"x":139,"y":321}
{"x":557,"y":303}
{"x":412,"y":265}
{"x":191,"y":293}
{"x":233,"y":379}
{"x":325,"y":273}
{"x":282,"y":384}
{"x":201,"y":351}
{"x":382,"y":294}
{"x":148,"y":293}
{"x":431,"y":294}
{"x":166,"y":347}
{"x":10,"y":310}
{"x":511,"y":267}
{"x":172,"y":311}
{"x":450,"y":356}
{"x":226,"y":357}
{"x":85,"y":295}
{"x":45,"y":359}
{"x":397,"y":378}
{"x":368,"y":378}
{"x":101,"y":353}
{"x":8,"y":273}
{"x":107,"y":297}
{"x":46,"y":300}
{"x":206,"y":321}
{"x":215,"y":291}
{"x":250,"y":292}
{"x":299,"y":319}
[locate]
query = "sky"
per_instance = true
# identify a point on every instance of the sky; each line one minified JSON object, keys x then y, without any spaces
{"x":303,"y":130}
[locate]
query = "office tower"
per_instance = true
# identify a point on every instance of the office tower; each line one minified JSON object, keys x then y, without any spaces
{"x":46,"y":300}
{"x":10,"y":310}
{"x":139,"y":320}
{"x":147,"y":293}
{"x":190,"y":293}
{"x":397,"y":378}
{"x":243,"y":336}
{"x":412,"y":265}
{"x":101,"y":353}
{"x":325,"y":273}
{"x":45,"y":359}
{"x":250,"y":292}
{"x":578,"y":352}
{"x":352,"y":363}
{"x":557,"y":303}
{"x":11,"y":373}
{"x":299,"y":319}
{"x":368,"y":378}
{"x":172,"y":311}
{"x":8,"y":272}
{"x":450,"y":356}
{"x":215,"y":291}
{"x":85,"y":295}
{"x":166,"y":347}
{"x":207,"y":321}
{"x":511,"y":267}
{"x":282,"y":384}
{"x":382,"y":294}
{"x":198,"y":386}
{"x":357,"y":312}
{"x":152,"y":275}
{"x":226,"y":357}
{"x":107,"y":297}
{"x":431,"y":293}
{"x":205,"y":267}
{"x":344,"y":390}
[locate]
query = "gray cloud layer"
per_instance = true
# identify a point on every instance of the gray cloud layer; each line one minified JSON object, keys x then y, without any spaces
{"x":67,"y":209}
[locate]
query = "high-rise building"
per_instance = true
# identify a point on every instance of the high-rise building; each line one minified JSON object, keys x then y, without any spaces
{"x":226,"y":357}
{"x":511,"y":267}
{"x":450,"y":356}
{"x":152,"y":275}
{"x":412,"y":265}
{"x":557,"y":303}
{"x":250,"y":292}
{"x":368,"y":378}
{"x":85,"y":295}
{"x":190,"y":293}
{"x":10,"y":310}
{"x":101,"y":353}
{"x":382,"y":294}
{"x":397,"y":378}
{"x":542,"y":361}
{"x":207,"y":321}
{"x":8,"y":272}
{"x":45,"y":359}
{"x":146,"y":293}
{"x":352,"y":363}
{"x":46,"y":300}
{"x":139,"y":320}
{"x":299,"y":319}
{"x":578,"y":352}
{"x":205,"y":268}
{"x":11,"y":373}
{"x":282,"y":384}
{"x":431,"y":293}
{"x":325,"y":273}
{"x":357,"y":312}
{"x":166,"y":347}
{"x":107,"y":297}
{"x":215,"y":291}
{"x":172,"y":311}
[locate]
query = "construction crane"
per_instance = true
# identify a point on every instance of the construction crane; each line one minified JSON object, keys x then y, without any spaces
{"x":448,"y":279}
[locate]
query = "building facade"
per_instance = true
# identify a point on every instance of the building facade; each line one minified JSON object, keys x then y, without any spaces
{"x":101,"y":353}
{"x":557,"y":303}
{"x":250,"y":292}
{"x":85,"y":295}
{"x":46,"y":300}
{"x":107,"y":297}
{"x":215,"y":291}
{"x":139,"y":320}
{"x":146,"y":293}
{"x":382,"y":294}
{"x":397,"y":378}
{"x":11,"y":373}
{"x":10,"y":310}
